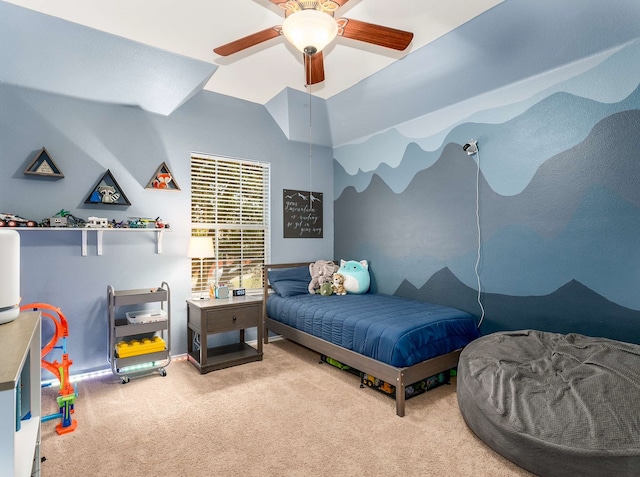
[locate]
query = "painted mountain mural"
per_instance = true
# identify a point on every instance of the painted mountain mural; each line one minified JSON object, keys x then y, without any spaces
{"x":548,"y":211}
{"x":509,"y":133}
{"x":562,"y":311}
{"x":511,"y":152}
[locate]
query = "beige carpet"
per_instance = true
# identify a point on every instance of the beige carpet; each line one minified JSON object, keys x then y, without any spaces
{"x":287,"y":415}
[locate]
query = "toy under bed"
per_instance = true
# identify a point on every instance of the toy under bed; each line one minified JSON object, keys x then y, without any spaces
{"x":557,"y":405}
{"x":398,"y":340}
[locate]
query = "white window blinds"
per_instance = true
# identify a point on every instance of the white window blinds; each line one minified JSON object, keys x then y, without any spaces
{"x":230,"y":204}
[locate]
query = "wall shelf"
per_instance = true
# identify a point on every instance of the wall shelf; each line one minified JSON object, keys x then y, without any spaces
{"x":85,"y":231}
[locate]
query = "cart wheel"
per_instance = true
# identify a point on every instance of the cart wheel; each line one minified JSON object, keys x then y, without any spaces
{"x":125,"y":380}
{"x":163,"y":372}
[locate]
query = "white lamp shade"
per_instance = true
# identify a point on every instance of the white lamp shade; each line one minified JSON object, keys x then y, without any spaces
{"x":201,"y":247}
{"x":310,"y":28}
{"x":9,"y":275}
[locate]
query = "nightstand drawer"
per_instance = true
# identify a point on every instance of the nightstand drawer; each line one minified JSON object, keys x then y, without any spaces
{"x":236,"y":318}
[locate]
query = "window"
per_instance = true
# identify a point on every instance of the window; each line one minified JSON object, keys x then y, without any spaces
{"x":230,"y":204}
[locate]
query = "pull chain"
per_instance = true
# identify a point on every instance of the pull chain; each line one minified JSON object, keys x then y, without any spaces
{"x":310,"y":135}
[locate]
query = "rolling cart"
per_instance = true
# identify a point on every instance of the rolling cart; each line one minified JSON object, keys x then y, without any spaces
{"x":139,"y":341}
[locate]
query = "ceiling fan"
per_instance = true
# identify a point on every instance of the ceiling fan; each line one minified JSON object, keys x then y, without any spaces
{"x":310,"y":26}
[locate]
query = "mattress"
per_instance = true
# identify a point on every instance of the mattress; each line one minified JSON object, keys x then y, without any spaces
{"x":398,"y":331}
{"x":557,"y":405}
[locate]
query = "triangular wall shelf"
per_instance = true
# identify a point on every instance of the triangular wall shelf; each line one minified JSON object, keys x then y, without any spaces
{"x":107,"y":192}
{"x":43,"y":165}
{"x":163,"y":179}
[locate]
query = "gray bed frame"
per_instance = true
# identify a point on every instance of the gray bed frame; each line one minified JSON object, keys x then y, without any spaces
{"x":400,"y":377}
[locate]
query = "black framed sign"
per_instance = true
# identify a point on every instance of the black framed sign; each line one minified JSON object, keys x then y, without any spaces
{"x":302,"y":214}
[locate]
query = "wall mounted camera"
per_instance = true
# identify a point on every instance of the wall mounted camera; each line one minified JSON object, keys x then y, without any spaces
{"x":471,"y":147}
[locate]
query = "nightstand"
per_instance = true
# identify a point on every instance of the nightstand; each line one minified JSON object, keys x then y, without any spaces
{"x":236,"y":313}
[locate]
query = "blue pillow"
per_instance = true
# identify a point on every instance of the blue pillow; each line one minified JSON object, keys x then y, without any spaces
{"x":290,"y":287}
{"x":290,"y":281}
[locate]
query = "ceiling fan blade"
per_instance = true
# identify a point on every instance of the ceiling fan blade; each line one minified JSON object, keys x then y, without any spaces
{"x":314,"y":68}
{"x":248,"y":41}
{"x":374,"y":34}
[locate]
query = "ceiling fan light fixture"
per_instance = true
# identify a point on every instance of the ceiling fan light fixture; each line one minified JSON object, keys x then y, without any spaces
{"x":310,"y":30}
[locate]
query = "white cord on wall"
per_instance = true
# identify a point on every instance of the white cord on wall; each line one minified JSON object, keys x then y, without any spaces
{"x":479,"y":297}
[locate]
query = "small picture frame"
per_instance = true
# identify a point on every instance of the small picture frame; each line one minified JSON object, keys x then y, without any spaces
{"x":44,"y":165}
{"x":107,"y":192}
{"x":163,"y":179}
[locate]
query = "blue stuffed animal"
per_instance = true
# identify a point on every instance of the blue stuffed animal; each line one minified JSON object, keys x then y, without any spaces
{"x":356,"y":276}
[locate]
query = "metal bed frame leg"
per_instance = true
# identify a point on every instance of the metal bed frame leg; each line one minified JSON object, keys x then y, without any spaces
{"x":400,"y":396}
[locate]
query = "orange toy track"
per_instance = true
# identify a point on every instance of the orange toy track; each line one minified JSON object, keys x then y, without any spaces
{"x":66,"y":394}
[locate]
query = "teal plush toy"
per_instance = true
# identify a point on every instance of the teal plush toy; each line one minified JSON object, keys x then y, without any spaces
{"x":356,"y":276}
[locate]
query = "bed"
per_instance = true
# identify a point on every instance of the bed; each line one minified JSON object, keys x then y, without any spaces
{"x":554,"y":404}
{"x":397,"y":340}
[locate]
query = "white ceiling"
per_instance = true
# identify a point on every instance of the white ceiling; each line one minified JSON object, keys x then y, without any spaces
{"x":192,"y":28}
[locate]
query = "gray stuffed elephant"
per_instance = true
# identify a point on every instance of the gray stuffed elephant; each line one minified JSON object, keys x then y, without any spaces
{"x":321,"y":272}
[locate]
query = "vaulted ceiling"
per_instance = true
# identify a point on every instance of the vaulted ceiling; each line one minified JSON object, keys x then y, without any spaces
{"x":157,"y":54}
{"x":192,"y":28}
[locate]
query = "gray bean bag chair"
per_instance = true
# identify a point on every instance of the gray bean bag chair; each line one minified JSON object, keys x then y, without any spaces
{"x":556,"y":405}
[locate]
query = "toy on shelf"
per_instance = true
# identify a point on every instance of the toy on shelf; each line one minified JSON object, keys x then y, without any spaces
{"x":11,"y":220}
{"x":146,"y":223}
{"x":97,"y":222}
{"x":64,"y":218}
{"x":67,"y":394}
{"x":141,"y":223}
{"x":160,"y":224}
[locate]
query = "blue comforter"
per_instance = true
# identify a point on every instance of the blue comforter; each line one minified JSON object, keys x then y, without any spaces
{"x":397,"y":331}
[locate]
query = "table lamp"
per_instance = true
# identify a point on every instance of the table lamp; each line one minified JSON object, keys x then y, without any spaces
{"x":201,"y":248}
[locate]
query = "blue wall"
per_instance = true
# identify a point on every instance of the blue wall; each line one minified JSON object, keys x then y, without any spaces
{"x":85,"y":139}
{"x":558,"y":197}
